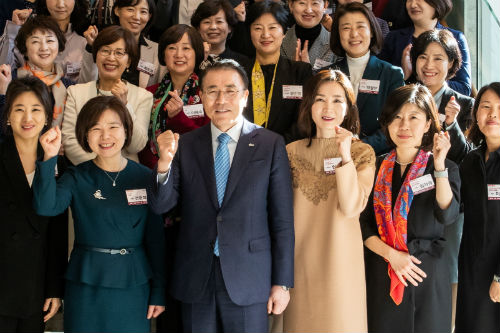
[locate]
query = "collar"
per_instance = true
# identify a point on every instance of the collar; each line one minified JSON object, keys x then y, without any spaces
{"x":142,"y":40}
{"x":363,"y":60}
{"x":439,"y":95}
{"x":234,"y":132}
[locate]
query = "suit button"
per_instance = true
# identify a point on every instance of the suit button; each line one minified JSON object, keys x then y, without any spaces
{"x":15,"y":236}
{"x":36,"y":235}
{"x":219,"y":218}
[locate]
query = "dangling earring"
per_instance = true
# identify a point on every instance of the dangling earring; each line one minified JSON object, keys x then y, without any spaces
{"x":127,"y":70}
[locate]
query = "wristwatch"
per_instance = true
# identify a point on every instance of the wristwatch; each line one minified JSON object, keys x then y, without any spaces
{"x":285,"y":288}
{"x":496,"y":278}
{"x":441,"y":174}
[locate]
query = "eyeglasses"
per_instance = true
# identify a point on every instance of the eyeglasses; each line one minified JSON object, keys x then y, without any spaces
{"x":212,"y":94}
{"x":118,"y":53}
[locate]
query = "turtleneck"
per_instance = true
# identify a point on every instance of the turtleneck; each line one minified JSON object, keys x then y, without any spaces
{"x":356,"y":69}
{"x":309,"y":34}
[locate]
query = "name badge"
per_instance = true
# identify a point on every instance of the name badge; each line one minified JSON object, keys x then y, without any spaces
{"x":292,"y":92}
{"x":493,"y":192}
{"x":137,"y":197}
{"x":329,"y":164}
{"x":422,"y":184}
{"x":369,"y":86}
{"x":442,"y":117}
{"x":320,"y":63}
{"x":73,"y":68}
{"x":193,"y":111}
{"x":146,"y":67}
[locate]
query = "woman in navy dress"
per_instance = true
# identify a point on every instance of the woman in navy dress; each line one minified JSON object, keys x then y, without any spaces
{"x":115,"y":277}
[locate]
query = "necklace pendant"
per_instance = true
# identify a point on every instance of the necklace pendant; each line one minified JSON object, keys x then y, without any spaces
{"x":114,"y":184}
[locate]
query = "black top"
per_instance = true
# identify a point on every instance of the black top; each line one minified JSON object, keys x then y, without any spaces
{"x":268,"y":71}
{"x":132,"y":74}
{"x":309,"y":34}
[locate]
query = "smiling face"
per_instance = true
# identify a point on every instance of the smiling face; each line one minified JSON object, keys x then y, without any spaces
{"x":407,"y":129}
{"x":224,"y":97}
{"x":42,"y":48}
{"x":267,"y":35}
{"x":329,"y":108}
{"x":355,"y":34}
{"x":112,"y":60}
{"x":307,"y":13}
{"x":60,"y":10}
{"x":180,"y":57}
{"x":214,"y":29}
{"x":420,"y":11}
{"x":134,"y":18}
{"x":27,"y":116}
{"x":107,"y":137}
{"x":488,"y":115}
{"x":433,"y":66}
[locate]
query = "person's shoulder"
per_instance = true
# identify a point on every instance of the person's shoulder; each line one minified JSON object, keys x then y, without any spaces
{"x":134,"y":90}
{"x":151,"y":44}
{"x":387,"y":66}
{"x":137,"y":168}
{"x":299,"y":66}
{"x":75,"y":89}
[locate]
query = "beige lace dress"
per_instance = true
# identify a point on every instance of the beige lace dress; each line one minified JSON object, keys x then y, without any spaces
{"x":329,"y":293}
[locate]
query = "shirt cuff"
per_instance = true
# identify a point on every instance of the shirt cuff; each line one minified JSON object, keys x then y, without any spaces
{"x":162,"y":177}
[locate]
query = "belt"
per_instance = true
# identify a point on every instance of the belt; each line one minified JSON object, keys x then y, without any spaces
{"x":122,"y":251}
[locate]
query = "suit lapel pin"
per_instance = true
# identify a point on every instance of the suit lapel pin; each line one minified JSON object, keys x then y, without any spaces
{"x":251,"y":145}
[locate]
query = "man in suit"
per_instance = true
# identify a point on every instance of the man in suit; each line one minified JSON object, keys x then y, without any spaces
{"x":235,"y":247}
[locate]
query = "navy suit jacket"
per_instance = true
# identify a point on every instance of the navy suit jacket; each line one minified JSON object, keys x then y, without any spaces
{"x":254,"y":222}
{"x":370,"y":105}
{"x":397,"y":40}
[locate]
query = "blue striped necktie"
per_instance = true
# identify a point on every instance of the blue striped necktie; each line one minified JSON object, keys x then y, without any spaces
{"x":222,"y":165}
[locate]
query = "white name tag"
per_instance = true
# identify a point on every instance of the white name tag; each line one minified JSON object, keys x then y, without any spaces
{"x":330,"y":164}
{"x":493,"y":192}
{"x":193,"y":111}
{"x":442,"y":117}
{"x":320,"y":63}
{"x":73,"y":68}
{"x":422,"y":184}
{"x":292,"y":92}
{"x":146,"y":67}
{"x":369,"y":86}
{"x":137,"y":197}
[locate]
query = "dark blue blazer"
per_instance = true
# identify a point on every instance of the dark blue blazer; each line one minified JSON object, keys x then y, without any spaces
{"x":397,"y":40}
{"x":254,"y":223}
{"x":370,"y":105}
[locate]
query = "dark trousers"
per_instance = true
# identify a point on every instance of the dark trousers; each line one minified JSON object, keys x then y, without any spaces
{"x":32,"y":324}
{"x":215,"y":312}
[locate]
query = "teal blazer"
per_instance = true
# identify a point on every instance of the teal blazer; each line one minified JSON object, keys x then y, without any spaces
{"x":370,"y":105}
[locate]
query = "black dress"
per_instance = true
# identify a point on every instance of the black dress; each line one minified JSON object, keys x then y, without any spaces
{"x":479,"y":257}
{"x":427,"y":307}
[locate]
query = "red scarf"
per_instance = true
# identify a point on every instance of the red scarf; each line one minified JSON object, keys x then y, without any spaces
{"x":392,"y":225}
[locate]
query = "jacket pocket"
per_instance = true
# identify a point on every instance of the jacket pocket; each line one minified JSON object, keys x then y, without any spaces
{"x":259,"y":244}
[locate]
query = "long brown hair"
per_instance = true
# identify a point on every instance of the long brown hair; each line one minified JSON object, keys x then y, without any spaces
{"x":306,"y":125}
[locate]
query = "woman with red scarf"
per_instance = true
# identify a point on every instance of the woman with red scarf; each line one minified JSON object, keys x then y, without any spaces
{"x":416,"y":194}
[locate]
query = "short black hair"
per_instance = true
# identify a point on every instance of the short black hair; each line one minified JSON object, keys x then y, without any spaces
{"x":474,"y":134}
{"x":78,"y":19}
{"x":20,"y":86}
{"x":418,"y":95}
{"x":42,"y":23}
{"x":174,"y":34}
{"x":376,"y":41}
{"x":92,"y":111}
{"x":446,"y":40}
{"x":113,"y":34}
{"x":133,"y":3}
{"x":276,"y":9}
{"x":226,"y":64}
{"x":210,"y":8}
{"x":442,"y":8}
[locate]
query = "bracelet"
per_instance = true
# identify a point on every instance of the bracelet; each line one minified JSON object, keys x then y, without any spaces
{"x":496,"y":278}
{"x":441,"y":174}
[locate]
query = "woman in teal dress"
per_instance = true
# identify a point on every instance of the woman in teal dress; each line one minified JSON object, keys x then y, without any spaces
{"x":115,"y":278}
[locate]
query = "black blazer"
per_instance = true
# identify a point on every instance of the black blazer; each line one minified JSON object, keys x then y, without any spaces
{"x":284,"y":112}
{"x":459,"y":145}
{"x":33,"y":249}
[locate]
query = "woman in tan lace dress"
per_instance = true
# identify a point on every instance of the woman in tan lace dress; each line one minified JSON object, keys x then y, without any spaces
{"x":332,"y":178}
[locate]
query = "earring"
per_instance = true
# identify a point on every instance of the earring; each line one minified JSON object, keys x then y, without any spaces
{"x":8,"y":123}
{"x":127,"y":70}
